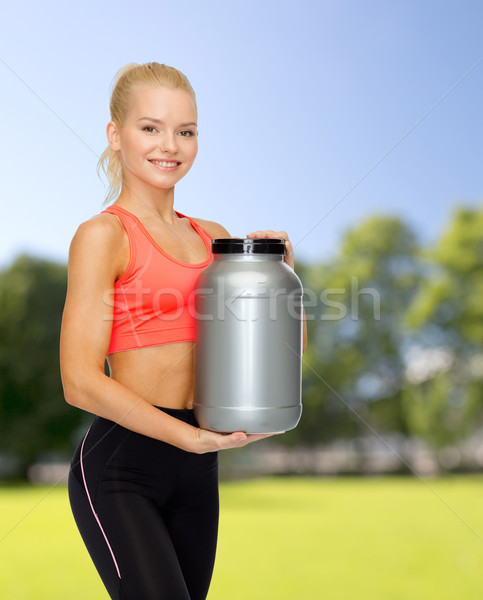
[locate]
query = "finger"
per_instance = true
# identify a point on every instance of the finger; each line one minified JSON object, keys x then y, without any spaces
{"x":258,"y":234}
{"x":275,"y":234}
{"x":231,"y":440}
{"x":254,"y":437}
{"x":268,"y":233}
{"x":279,"y":235}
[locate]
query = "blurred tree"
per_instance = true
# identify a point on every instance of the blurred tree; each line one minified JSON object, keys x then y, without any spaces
{"x":393,"y":341}
{"x":444,"y":396}
{"x":449,"y":302}
{"x":443,"y":409}
{"x":34,"y":418}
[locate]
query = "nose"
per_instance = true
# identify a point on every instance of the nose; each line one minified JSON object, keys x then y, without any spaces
{"x":168,"y":142}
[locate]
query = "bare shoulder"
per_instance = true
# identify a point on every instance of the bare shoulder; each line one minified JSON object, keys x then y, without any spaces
{"x":100,"y":231}
{"x":103,"y":227}
{"x":215,"y":230}
{"x":100,"y":239}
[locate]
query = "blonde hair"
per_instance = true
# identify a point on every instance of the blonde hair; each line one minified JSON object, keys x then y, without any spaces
{"x":127,"y":80}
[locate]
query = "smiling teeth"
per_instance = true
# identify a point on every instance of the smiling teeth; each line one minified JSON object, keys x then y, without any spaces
{"x":164,"y":163}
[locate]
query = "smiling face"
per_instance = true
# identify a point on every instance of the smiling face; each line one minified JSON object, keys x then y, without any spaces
{"x":158,"y":142}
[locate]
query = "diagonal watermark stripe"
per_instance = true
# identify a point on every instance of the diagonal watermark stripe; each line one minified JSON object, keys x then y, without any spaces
{"x":388,"y":445}
{"x":47,"y":106}
{"x":391,"y":150}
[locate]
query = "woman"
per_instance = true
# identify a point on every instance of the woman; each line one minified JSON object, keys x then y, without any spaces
{"x":143,"y":482}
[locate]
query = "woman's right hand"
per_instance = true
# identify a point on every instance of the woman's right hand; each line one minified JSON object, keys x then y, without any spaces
{"x":211,"y":441}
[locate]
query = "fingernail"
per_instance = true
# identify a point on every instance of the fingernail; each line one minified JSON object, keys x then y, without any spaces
{"x":242,"y":437}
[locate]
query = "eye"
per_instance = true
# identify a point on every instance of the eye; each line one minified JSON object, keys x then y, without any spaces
{"x":187,"y":133}
{"x":149,"y":127}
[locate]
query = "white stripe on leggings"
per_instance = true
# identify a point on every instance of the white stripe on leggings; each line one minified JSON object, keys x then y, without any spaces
{"x":92,"y":508}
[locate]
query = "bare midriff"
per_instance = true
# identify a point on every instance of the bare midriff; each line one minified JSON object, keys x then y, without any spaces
{"x":161,"y":375}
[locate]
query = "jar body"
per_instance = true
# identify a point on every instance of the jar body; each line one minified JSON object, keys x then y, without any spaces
{"x":248,"y":365}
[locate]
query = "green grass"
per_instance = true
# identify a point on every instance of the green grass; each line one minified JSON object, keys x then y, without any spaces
{"x":281,"y":539}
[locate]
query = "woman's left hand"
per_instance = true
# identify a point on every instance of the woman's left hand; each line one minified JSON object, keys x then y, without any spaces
{"x":289,"y":257}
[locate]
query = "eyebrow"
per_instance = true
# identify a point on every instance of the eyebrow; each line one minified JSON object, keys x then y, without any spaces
{"x":160,"y":122}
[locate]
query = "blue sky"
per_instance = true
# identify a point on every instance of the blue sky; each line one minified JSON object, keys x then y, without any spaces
{"x":298,"y":103}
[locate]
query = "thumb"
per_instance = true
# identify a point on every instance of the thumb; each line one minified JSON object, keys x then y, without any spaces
{"x":234,"y":438}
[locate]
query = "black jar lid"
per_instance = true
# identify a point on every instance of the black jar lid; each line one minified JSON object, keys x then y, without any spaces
{"x":248,"y":246}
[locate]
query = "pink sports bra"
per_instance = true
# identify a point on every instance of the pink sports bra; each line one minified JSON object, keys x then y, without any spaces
{"x":153,"y":301}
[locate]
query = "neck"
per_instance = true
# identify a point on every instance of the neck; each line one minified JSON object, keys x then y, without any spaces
{"x":142,"y":199}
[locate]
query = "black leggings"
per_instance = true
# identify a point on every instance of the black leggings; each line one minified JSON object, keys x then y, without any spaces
{"x":147,"y":512}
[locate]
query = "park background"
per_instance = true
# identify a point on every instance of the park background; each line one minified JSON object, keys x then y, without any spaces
{"x":354,"y":126}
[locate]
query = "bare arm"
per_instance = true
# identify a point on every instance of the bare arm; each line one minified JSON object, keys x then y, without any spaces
{"x":95,"y":261}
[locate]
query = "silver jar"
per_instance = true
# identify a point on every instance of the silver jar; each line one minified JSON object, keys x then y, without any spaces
{"x":248,"y":352}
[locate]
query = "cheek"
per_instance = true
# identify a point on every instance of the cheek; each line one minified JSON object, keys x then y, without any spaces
{"x":193,"y":150}
{"x":136,"y":143}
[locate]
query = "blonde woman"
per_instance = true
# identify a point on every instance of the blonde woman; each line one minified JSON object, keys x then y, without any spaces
{"x":143,"y":483}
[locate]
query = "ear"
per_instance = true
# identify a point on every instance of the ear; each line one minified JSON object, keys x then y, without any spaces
{"x":112,"y":133}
